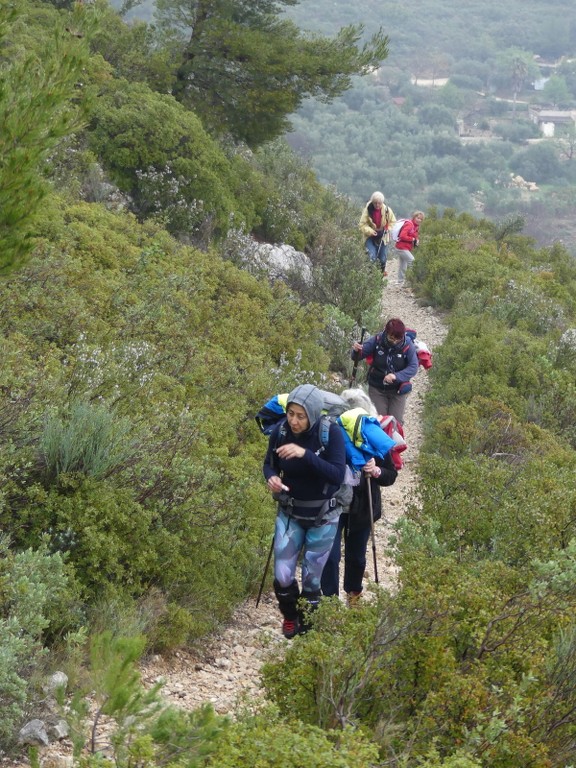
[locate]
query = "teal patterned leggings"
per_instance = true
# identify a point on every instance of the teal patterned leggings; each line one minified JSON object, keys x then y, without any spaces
{"x":290,"y":539}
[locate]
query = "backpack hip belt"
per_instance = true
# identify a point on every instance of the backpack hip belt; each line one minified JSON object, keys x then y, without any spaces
{"x":323,"y":505}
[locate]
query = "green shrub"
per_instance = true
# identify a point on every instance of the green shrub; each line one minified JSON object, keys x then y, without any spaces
{"x":528,"y":309}
{"x":269,"y":741}
{"x":91,"y":441}
{"x":337,"y":339}
{"x":343,"y":277}
{"x":136,"y":723}
{"x":174,"y":170}
{"x":108,"y":537}
{"x":450,"y":265}
{"x":34,"y":595}
{"x":340,"y":673}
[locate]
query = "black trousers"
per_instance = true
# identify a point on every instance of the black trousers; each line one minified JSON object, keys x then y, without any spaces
{"x":355,"y":544}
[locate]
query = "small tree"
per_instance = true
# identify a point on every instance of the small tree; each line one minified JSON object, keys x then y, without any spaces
{"x":38,"y":107}
{"x":243,"y":67}
{"x":556,"y":92}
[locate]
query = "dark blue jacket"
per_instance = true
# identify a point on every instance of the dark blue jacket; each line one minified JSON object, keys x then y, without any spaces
{"x":319,"y":473}
{"x":400,"y":359}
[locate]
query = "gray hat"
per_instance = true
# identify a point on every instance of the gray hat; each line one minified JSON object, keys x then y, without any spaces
{"x":310,"y":398}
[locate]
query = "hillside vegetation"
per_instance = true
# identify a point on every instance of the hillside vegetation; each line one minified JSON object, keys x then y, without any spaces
{"x":141,"y":330}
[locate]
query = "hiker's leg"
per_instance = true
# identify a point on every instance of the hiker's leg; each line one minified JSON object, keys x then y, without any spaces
{"x":317,"y":547}
{"x":309,"y":601}
{"x":355,"y":543}
{"x":402,"y":265}
{"x":380,"y":400}
{"x":330,"y":581}
{"x":371,"y":248}
{"x":405,"y":258}
{"x":288,"y":600}
{"x":383,"y":256}
{"x":288,"y":540}
{"x":397,"y":406}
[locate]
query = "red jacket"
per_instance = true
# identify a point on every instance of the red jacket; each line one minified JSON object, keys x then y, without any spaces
{"x":408,"y":234}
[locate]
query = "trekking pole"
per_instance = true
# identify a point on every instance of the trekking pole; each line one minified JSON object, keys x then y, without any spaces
{"x":372,"y":529}
{"x":265,"y":572}
{"x":356,"y":361}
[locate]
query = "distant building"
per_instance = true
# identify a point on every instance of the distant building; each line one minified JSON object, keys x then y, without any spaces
{"x":436,"y":82}
{"x":548,"y":119}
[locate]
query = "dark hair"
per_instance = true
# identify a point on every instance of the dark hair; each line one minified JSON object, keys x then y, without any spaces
{"x":395,"y":327}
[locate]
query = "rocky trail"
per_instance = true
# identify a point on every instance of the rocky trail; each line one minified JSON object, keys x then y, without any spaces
{"x":225,"y":672}
{"x":228,"y":669}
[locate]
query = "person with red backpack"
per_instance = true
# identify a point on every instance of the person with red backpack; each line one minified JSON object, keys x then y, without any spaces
{"x":393,"y":361}
{"x":408,"y":239}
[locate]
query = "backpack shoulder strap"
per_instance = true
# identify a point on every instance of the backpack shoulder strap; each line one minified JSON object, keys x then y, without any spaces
{"x":357,"y":425}
{"x":324,"y":432}
{"x":280,"y":439}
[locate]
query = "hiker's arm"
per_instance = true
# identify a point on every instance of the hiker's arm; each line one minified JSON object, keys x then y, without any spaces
{"x":365,"y":349}
{"x":411,"y":366}
{"x":407,"y":233}
{"x":388,"y":472}
{"x":382,"y":471}
{"x":291,"y":451}
{"x":269,"y":469}
{"x":365,"y":224}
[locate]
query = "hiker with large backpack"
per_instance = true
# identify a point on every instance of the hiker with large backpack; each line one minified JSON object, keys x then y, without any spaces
{"x":356,"y":523}
{"x":304,"y":470}
{"x":406,"y":238}
{"x":375,"y":223}
{"x":393,"y":363}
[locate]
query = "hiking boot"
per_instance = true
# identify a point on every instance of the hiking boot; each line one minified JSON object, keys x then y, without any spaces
{"x":308,"y":603}
{"x":290,"y":628}
{"x":288,"y":604}
{"x":353,"y":599}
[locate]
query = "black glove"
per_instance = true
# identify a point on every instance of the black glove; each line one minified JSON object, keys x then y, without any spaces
{"x":415,"y":243}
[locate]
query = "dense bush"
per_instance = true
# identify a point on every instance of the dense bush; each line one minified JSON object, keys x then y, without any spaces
{"x":175,"y":172}
{"x":271,"y":741}
{"x":34,"y":590}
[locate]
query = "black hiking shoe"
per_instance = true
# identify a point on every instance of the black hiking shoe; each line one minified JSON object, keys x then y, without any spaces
{"x":290,"y":628}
